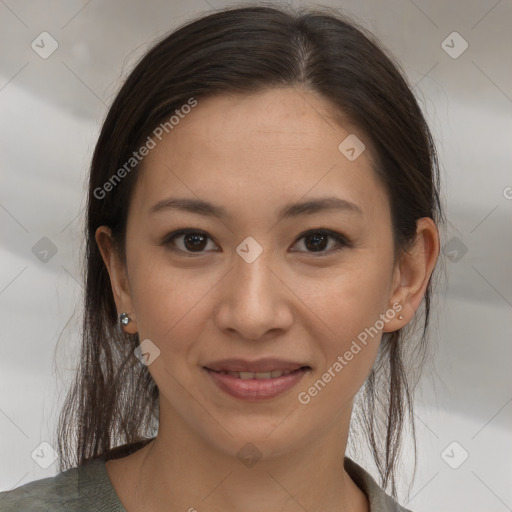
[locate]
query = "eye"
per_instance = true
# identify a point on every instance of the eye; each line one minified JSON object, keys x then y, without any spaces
{"x":316,"y":241}
{"x":190,"y":241}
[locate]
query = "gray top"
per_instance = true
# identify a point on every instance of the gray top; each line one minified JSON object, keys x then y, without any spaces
{"x":88,"y":488}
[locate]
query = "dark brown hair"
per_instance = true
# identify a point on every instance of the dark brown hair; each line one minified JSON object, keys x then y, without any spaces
{"x":113,"y":400}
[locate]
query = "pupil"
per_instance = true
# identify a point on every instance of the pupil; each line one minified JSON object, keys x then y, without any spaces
{"x":195,"y":237}
{"x":316,"y":237}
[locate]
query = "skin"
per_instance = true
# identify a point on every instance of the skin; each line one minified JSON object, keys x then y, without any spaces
{"x":253,"y":154}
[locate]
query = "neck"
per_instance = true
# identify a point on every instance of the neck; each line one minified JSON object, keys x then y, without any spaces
{"x":179,"y":470}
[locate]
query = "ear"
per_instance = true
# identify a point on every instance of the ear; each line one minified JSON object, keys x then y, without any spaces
{"x":118,"y":277}
{"x":412,"y":274}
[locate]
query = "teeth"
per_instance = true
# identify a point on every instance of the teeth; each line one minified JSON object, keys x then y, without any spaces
{"x":248,"y":375}
{"x":258,"y":375}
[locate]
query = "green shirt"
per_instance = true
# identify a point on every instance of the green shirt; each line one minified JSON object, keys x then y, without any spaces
{"x":88,"y":489}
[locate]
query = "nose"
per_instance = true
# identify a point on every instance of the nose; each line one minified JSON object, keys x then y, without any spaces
{"x":255,"y":300}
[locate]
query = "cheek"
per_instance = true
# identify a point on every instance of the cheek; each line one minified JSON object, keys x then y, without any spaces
{"x":348,"y":299}
{"x":332,"y":390}
{"x":349,"y":309}
{"x":169,"y":304}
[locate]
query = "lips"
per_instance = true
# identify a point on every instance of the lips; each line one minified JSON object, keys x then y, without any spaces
{"x":244,"y":387}
{"x":253,"y":381}
{"x":260,"y":369}
{"x":257,"y":375}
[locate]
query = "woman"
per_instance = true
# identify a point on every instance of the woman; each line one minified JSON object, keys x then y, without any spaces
{"x":262,"y":225}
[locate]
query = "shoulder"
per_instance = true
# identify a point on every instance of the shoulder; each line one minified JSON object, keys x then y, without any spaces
{"x":84,"y":488}
{"x":379,"y":501}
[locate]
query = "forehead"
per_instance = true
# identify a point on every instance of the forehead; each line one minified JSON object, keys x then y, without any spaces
{"x":273,"y":118}
{"x":261,"y":149}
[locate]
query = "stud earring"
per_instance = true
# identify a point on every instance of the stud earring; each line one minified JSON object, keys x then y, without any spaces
{"x":401,"y":317}
{"x":124,"y":319}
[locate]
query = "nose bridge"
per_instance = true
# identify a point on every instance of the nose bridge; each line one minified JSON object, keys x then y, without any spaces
{"x":253,"y":303}
{"x":252,"y":272}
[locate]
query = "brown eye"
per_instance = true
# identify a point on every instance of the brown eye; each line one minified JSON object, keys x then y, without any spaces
{"x":194,"y":241}
{"x":191,"y":241}
{"x":317,"y":241}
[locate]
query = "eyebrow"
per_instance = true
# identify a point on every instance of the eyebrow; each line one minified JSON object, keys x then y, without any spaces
{"x":201,"y":207}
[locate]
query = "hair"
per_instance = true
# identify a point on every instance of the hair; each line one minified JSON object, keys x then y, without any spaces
{"x":111,"y":408}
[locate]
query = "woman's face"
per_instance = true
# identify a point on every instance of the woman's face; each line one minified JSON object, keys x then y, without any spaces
{"x":253,"y":286}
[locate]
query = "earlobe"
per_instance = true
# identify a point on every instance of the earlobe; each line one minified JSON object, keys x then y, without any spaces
{"x":413,"y":273}
{"x":118,"y":278}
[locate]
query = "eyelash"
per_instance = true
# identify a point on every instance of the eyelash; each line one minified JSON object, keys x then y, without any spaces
{"x":341,"y":240}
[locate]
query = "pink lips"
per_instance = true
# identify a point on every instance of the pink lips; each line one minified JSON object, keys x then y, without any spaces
{"x":266,"y":364}
{"x":254,"y":389}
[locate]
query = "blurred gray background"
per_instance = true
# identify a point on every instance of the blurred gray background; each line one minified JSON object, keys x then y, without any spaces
{"x":60,"y":66}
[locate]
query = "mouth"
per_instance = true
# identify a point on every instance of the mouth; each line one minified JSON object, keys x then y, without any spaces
{"x":259,"y":375}
{"x":257,"y":380}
